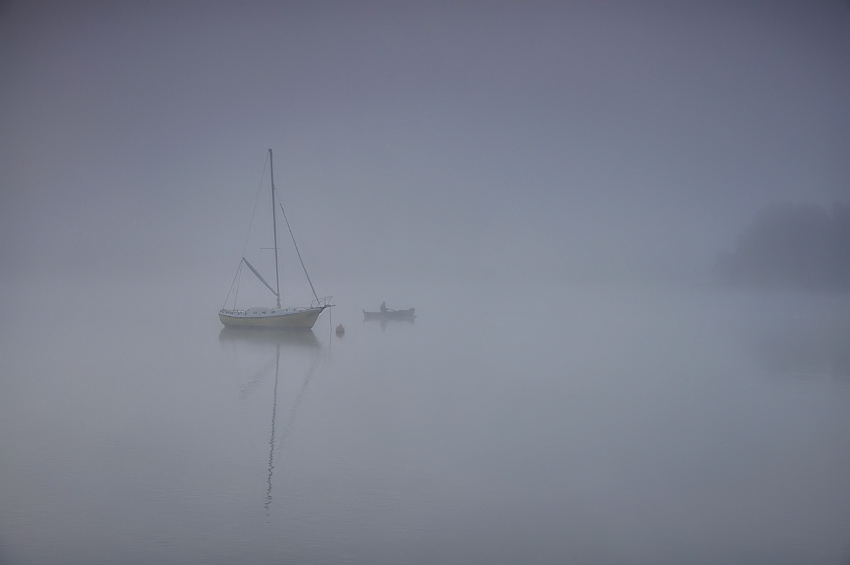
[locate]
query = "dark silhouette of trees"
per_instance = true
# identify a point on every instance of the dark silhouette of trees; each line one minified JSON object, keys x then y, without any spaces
{"x":792,"y":247}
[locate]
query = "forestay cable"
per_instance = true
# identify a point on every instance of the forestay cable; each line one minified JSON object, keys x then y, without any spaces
{"x":316,"y":296}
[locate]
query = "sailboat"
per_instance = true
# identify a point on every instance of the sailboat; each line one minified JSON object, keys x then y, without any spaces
{"x":297,"y":318}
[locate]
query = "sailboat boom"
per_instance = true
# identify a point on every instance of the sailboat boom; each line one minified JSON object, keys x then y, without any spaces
{"x":262,"y":280}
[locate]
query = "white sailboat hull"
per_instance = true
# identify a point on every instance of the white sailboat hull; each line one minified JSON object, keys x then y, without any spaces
{"x":289,"y":318}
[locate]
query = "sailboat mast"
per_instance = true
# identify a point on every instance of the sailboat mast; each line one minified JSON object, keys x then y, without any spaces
{"x":274,"y":227}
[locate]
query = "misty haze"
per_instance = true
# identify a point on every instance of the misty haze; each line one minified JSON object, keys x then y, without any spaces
{"x":624,"y":228}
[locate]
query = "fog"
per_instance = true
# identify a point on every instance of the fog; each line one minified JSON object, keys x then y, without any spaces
{"x":639,"y":207}
{"x":590,"y":141}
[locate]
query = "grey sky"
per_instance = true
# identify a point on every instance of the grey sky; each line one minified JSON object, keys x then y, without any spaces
{"x":437,"y":137}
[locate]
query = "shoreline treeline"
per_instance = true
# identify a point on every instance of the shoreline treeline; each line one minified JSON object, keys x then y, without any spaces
{"x":791,"y":247}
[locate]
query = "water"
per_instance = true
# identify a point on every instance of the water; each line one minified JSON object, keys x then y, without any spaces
{"x":539,"y":423}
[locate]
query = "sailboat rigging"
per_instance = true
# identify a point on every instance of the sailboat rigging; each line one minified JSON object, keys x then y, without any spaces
{"x":302,"y":318}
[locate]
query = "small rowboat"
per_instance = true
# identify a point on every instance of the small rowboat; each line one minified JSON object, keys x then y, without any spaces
{"x":389,"y":314}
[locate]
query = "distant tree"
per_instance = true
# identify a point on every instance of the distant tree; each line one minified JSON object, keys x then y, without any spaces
{"x":841,"y":241}
{"x":791,"y":246}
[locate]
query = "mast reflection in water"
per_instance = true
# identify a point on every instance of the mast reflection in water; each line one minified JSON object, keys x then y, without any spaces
{"x":247,"y":338}
{"x":271,"y":439}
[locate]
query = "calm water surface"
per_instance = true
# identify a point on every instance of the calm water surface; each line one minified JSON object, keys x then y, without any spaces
{"x":544,"y":425}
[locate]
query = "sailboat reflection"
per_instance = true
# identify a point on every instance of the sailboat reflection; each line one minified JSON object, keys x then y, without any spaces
{"x":254,"y":336}
{"x":268,"y":503}
{"x":287,"y":341}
